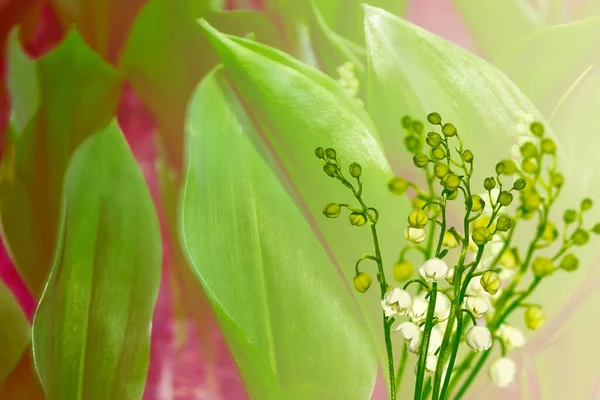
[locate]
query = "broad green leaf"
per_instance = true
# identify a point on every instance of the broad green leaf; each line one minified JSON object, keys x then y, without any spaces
{"x":244,"y":22}
{"x":496,"y":24}
{"x":14,"y":333}
{"x":78,"y":94}
{"x":91,"y":331}
{"x":291,"y":323}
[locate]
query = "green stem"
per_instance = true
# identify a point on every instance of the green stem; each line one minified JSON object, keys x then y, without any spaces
{"x":425,"y":342}
{"x":401,"y":366}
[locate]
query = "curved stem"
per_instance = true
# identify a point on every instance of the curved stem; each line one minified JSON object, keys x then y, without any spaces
{"x":425,"y":342}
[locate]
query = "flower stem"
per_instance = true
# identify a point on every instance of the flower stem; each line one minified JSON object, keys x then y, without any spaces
{"x":401,"y":366}
{"x":425,"y":342}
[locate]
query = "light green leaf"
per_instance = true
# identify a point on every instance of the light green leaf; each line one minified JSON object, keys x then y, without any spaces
{"x":293,"y":326}
{"x":497,"y":24}
{"x":91,"y":331}
{"x":14,"y":333}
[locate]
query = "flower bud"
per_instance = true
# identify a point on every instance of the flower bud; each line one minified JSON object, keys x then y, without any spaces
{"x":569,"y":262}
{"x":434,"y":118}
{"x":357,"y":219}
{"x":580,"y":237}
{"x":500,"y":167}
{"x":355,"y":170}
{"x":450,"y":194}
{"x":451,"y":239}
{"x":528,"y":150}
{"x":478,"y":306}
{"x":534,"y":317}
{"x":505,"y":198}
{"x":550,"y":232}
{"x":398,"y":186}
{"x":481,"y":235}
{"x":319,"y":152}
{"x":332,"y":210}
{"x":440,"y":169}
{"x":596,"y":229}
{"x":418,"y":219}
{"x":519,"y":184}
{"x":449,"y":130}
{"x":421,"y":160}
{"x":418,"y":202}
{"x":417,"y":127}
{"x":542,"y":266}
{"x":570,"y":216}
{"x":403,"y":270}
{"x":509,"y":259}
{"x":414,"y":235}
{"x":502,"y":372}
{"x":586,"y":204}
{"x":450,"y":181}
{"x":537,"y":129}
{"x":531,"y":200}
{"x":362,"y":282}
{"x":490,"y":282}
{"x":330,"y":169}
{"x":529,"y":166}
{"x":557,"y":179}
{"x":504,"y":223}
{"x":467,"y":156}
{"x":434,"y":139}
{"x":479,"y":338}
{"x":434,"y":269}
{"x":548,"y":146}
{"x":512,"y":337}
{"x":489,"y":183}
{"x":438,"y":153}
{"x":478,"y":203}
{"x":411,"y":143}
{"x":406,"y":122}
{"x":510,"y":168}
{"x":331,"y":153}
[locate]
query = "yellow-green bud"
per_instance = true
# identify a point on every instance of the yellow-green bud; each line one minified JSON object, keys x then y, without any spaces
{"x":434,"y":118}
{"x":500,"y":168}
{"x":505,"y":198}
{"x":434,"y":139}
{"x":529,"y":166}
{"x":596,"y":228}
{"x":449,"y":130}
{"x":417,"y":127}
{"x":550,"y":232}
{"x":580,"y":237}
{"x":412,"y":143}
{"x":357,"y":219}
{"x":528,"y":150}
{"x":586,"y":204}
{"x":504,"y":223}
{"x":548,"y":146}
{"x":355,"y":169}
{"x":418,"y":219}
{"x":481,"y":235}
{"x":542,"y":266}
{"x":438,"y":153}
{"x":450,"y":194}
{"x":420,"y":160}
{"x":331,"y":153}
{"x":330,"y":169}
{"x":569,"y":262}
{"x":467,"y":156}
{"x":418,"y":203}
{"x":362,"y":282}
{"x":403,"y":270}
{"x":406,"y":122}
{"x":519,"y":184}
{"x":510,"y":168}
{"x":490,"y":282}
{"x":557,"y":179}
{"x":478,"y":203}
{"x":534,"y":317}
{"x":531,"y":200}
{"x":537,"y":129}
{"x":489,"y":183}
{"x":398,"y":186}
{"x":441,"y":169}
{"x":570,"y":216}
{"x":451,"y":239}
{"x":332,"y":210}
{"x":450,"y":181}
{"x":319,"y":152}
{"x":509,"y":259}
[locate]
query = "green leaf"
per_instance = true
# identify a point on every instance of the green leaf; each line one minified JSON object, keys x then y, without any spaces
{"x":293,"y":326}
{"x":78,"y":94}
{"x":243,"y":22}
{"x":91,"y":331}
{"x":497,"y":24}
{"x":14,"y":333}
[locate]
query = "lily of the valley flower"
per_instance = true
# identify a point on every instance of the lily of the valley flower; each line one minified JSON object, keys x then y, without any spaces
{"x":479,"y":338}
{"x":414,"y":235}
{"x":435,"y":340}
{"x":502,"y":372}
{"x":434,"y":270}
{"x":442,"y":306}
{"x":396,"y":301}
{"x":478,"y":306}
{"x":418,"y":312}
{"x":512,"y":337}
{"x":411,"y":334}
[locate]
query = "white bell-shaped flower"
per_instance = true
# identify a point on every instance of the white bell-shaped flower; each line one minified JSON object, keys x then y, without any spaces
{"x":479,"y":338}
{"x":415,"y":235}
{"x":396,"y":301}
{"x":478,"y":306}
{"x":502,"y":372}
{"x":435,"y":340}
{"x":512,"y":337}
{"x":434,"y":270}
{"x":418,"y":312}
{"x":442,"y":306}
{"x":411,"y":334}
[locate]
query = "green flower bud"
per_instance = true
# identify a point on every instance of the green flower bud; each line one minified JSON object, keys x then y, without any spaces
{"x":434,"y":118}
{"x":586,"y":204}
{"x":355,"y":169}
{"x":434,"y":139}
{"x":490,"y":281}
{"x":357,"y":219}
{"x":412,"y":143}
{"x":504,"y":223}
{"x":596,"y":229}
{"x":331,"y":153}
{"x":451,"y":239}
{"x":537,"y":129}
{"x":441,"y":169}
{"x":519,"y":184}
{"x":529,"y":166}
{"x":450,"y":181}
{"x":418,"y":203}
{"x":418,"y":219}
{"x":528,"y":150}
{"x":449,"y":130}
{"x":438,"y":153}
{"x":489,"y":183}
{"x":534,"y":317}
{"x":550,"y":232}
{"x":509,"y":259}
{"x":531,"y":200}
{"x":557,"y":179}
{"x":548,"y":146}
{"x":580,"y":237}
{"x":450,"y":194}
{"x":417,"y":127}
{"x":330,"y":169}
{"x":421,"y":160}
{"x":403,"y":270}
{"x":569,"y":216}
{"x":569,"y":262}
{"x":467,"y":156}
{"x":398,"y":186}
{"x":362,"y":282}
{"x":500,"y":168}
{"x":478,"y":203}
{"x":542,"y":266}
{"x":505,"y":198}
{"x":319,"y":152}
{"x":481,"y":235}
{"x":332,"y":210}
{"x":510,"y":168}
{"x":406,"y":122}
